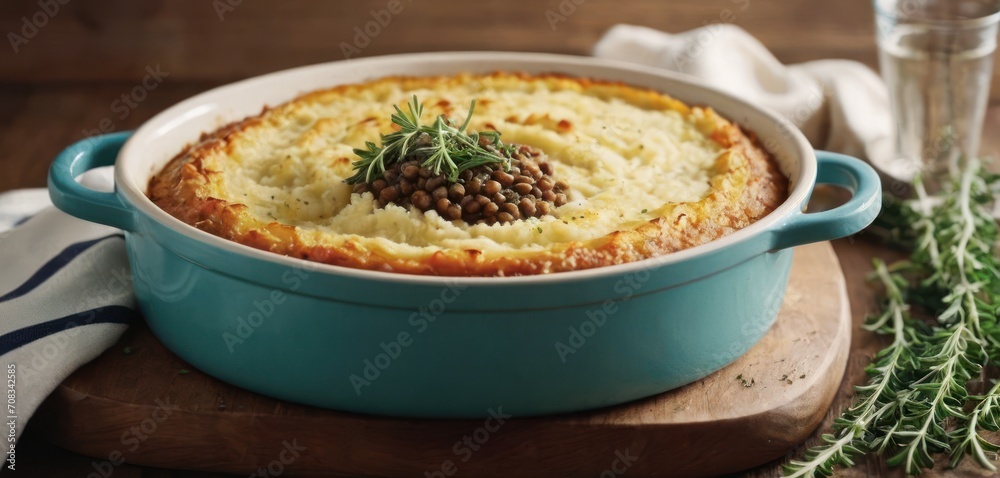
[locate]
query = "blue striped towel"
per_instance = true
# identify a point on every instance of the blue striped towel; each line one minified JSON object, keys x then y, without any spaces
{"x":65,"y":293}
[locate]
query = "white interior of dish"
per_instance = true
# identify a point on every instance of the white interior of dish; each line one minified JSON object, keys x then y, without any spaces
{"x":163,"y":137}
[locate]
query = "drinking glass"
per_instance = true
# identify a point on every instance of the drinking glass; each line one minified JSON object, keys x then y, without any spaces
{"x":936,"y":58}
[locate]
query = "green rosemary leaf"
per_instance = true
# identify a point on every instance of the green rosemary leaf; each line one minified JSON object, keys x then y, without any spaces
{"x":917,"y":403}
{"x":876,"y":401}
{"x":968,"y":440}
{"x":439,"y":146}
{"x":468,"y":117}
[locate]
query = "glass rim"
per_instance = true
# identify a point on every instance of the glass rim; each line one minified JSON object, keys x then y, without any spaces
{"x":982,"y":21}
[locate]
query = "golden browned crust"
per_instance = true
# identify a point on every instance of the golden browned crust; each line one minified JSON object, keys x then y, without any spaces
{"x":746,"y":186}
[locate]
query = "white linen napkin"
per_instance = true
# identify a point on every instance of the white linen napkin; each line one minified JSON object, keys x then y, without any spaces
{"x":65,"y":295}
{"x":840,"y":105}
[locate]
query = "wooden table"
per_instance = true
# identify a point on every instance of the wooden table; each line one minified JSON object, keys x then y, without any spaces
{"x":67,"y":80}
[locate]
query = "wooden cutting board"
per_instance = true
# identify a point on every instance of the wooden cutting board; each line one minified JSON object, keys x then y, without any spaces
{"x":140,"y":403}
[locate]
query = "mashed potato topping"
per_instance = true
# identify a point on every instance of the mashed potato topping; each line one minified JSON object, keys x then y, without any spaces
{"x":647,"y":175}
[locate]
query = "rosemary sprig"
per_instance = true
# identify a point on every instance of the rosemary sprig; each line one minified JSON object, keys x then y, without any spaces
{"x":917,"y":402}
{"x":440,"y":146}
{"x":967,"y":440}
{"x":876,"y":401}
{"x":931,"y":400}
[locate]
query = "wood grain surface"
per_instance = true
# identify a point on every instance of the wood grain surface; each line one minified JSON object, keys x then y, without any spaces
{"x":194,"y":41}
{"x":64,"y":82}
{"x":746,"y":414}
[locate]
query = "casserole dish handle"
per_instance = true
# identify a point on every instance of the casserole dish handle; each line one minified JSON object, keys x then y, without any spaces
{"x":75,"y":199}
{"x":849,"y":218}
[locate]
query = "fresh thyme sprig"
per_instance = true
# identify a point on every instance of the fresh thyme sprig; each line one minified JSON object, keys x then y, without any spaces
{"x":440,"y":146}
{"x":917,"y":401}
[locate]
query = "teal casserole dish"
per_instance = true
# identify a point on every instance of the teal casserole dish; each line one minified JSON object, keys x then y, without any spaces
{"x":424,"y":346}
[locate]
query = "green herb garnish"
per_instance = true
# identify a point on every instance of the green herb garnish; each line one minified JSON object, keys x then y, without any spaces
{"x":440,"y":146}
{"x":918,"y":402}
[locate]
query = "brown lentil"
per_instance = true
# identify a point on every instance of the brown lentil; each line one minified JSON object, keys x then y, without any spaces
{"x":523,"y":188}
{"x":391,"y":176}
{"x":490,"y":209}
{"x":482,"y":195}
{"x":545,"y":184}
{"x":411,"y":171}
{"x":528,"y":207}
{"x":388,"y":195}
{"x":542,"y":207}
{"x":474,"y":185}
{"x":470,"y":205}
{"x":442,"y":205}
{"x":435,"y":182}
{"x":439,"y":193}
{"x":421,"y":200}
{"x":492,"y":187}
{"x":505,"y":179}
{"x":532,"y":169}
{"x":510,"y":208}
{"x":405,"y":187}
{"x":466,"y":175}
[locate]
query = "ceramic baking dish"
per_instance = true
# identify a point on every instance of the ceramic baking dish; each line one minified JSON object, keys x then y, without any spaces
{"x":386,"y":343}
